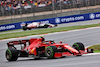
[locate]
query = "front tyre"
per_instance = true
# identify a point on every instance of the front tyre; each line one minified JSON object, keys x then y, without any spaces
{"x":29,"y":28}
{"x":79,"y":46}
{"x":50,"y":51}
{"x":11,"y":54}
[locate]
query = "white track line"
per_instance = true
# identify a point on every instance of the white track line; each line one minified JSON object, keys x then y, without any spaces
{"x":91,"y":54}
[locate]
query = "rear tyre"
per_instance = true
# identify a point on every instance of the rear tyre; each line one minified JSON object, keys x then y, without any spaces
{"x":24,"y":28}
{"x":78,"y":46}
{"x":50,"y":51}
{"x":11,"y":54}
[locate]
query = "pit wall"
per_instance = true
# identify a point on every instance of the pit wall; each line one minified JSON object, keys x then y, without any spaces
{"x":55,"y":20}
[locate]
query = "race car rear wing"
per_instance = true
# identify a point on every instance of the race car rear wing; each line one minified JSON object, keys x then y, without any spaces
{"x":12,"y":43}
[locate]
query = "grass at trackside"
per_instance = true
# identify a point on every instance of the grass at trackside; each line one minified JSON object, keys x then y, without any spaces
{"x":96,"y":48}
{"x":43,"y":31}
{"x":98,"y":51}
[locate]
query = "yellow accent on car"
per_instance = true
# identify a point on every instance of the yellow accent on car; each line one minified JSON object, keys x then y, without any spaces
{"x":32,"y":51}
{"x":70,"y":48}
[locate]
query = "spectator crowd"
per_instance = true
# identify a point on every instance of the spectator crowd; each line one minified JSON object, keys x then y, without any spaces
{"x":8,"y":5}
{"x":14,"y":4}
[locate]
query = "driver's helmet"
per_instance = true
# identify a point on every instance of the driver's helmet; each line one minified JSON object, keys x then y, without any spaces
{"x":42,"y":37}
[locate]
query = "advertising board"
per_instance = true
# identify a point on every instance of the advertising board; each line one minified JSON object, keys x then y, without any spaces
{"x":56,"y":20}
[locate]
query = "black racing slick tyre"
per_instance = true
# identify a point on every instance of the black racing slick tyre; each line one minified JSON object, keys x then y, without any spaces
{"x":11,"y":54}
{"x":50,"y":51}
{"x":78,"y":46}
{"x":29,"y":28}
{"x":24,"y":28}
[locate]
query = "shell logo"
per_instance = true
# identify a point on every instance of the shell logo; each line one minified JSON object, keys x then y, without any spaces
{"x":40,"y":41}
{"x":32,"y":51}
{"x":70,"y":48}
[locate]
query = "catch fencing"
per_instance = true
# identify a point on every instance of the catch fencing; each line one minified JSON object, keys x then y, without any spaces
{"x":30,"y":12}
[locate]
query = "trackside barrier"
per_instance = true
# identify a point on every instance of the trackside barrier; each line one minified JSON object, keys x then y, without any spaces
{"x":56,"y":20}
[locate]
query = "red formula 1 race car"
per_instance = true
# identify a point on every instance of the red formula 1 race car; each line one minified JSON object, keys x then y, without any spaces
{"x":37,"y":47}
{"x":37,"y":25}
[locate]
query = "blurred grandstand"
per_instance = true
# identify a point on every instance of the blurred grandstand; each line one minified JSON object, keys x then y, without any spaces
{"x":14,"y":9}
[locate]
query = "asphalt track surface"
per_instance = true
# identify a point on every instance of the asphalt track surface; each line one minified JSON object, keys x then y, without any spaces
{"x":88,"y":37}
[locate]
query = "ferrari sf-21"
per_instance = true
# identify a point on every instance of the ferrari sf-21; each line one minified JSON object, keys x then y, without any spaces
{"x":37,"y":25}
{"x":38,"y":47}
